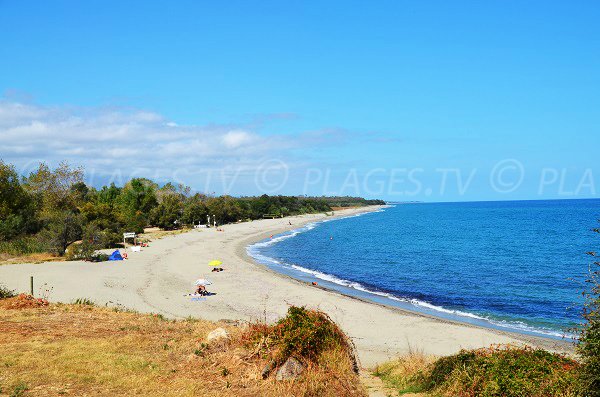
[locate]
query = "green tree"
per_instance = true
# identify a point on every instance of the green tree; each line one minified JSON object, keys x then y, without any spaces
{"x":81,"y":193}
{"x":169,"y":189}
{"x":17,"y":212}
{"x":93,"y":238}
{"x":108,"y":195}
{"x":62,"y":229}
{"x":56,"y":190}
{"x":589,"y":340}
{"x":226,"y":209}
{"x":57,"y":194}
{"x":102,"y":215}
{"x":169,"y":212}
{"x":195,"y":210}
{"x":137,"y":199}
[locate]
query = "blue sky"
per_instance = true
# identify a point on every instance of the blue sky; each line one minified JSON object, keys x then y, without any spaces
{"x":404,"y":100}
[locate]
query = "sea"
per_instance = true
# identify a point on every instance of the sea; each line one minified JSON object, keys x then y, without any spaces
{"x":510,"y":265}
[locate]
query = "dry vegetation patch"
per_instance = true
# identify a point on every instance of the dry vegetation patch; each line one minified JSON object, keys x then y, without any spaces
{"x":80,"y":349}
{"x":9,"y":259}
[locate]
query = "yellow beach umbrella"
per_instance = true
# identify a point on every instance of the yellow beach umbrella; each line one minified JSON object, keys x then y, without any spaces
{"x":215,"y":263}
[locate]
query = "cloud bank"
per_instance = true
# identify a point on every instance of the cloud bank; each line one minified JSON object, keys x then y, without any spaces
{"x":126,"y":142}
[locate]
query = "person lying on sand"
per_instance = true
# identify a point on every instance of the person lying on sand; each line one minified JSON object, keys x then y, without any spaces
{"x":217,"y":269}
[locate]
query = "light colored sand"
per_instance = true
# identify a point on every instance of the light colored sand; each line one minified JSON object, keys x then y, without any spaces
{"x":156,"y":279}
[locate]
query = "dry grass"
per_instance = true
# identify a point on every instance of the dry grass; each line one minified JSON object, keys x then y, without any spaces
{"x":7,"y":259}
{"x":399,"y":374}
{"x":155,"y":233}
{"x":82,"y":350}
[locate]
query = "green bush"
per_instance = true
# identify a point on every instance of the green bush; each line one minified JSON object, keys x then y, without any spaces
{"x":499,"y":371}
{"x":589,"y":338}
{"x":99,"y":257}
{"x":306,"y":333}
{"x":503,"y":371}
{"x":24,"y":245}
{"x":6,"y":293}
{"x":443,"y":368}
{"x":589,"y":349}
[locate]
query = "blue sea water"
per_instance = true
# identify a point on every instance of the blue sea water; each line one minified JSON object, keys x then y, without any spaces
{"x":516,"y":265}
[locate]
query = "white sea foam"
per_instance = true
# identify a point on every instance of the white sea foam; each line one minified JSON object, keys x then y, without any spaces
{"x":513,"y":325}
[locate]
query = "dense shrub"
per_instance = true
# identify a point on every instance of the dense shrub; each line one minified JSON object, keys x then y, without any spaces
{"x":589,"y":340}
{"x":302,"y":333}
{"x":23,"y":245}
{"x":506,"y":372}
{"x":502,"y":371}
{"x":307,"y":333}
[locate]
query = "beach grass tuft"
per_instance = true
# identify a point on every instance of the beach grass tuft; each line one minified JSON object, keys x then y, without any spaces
{"x":19,"y":390}
{"x":84,"y":302}
{"x":405,"y":374}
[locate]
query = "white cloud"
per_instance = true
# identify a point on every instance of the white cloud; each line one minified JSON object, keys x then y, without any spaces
{"x":117,"y":141}
{"x":115,"y":144}
{"x":237,"y":138}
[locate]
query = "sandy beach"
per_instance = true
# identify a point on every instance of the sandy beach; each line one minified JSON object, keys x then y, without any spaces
{"x":158,"y":278}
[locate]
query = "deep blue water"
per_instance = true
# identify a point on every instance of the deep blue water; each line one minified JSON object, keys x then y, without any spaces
{"x":517,"y":265}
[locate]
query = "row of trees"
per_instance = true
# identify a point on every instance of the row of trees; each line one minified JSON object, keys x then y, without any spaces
{"x":54,"y":208}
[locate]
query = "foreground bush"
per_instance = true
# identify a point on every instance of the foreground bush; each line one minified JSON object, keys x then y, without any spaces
{"x":307,"y":335}
{"x":589,"y":349}
{"x":589,"y":338}
{"x":499,"y":371}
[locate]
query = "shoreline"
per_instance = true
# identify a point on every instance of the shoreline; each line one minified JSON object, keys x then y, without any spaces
{"x":547,"y":342}
{"x":159,"y":279}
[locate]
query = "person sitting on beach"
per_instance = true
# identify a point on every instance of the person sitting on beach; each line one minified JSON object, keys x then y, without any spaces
{"x":201,"y":290}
